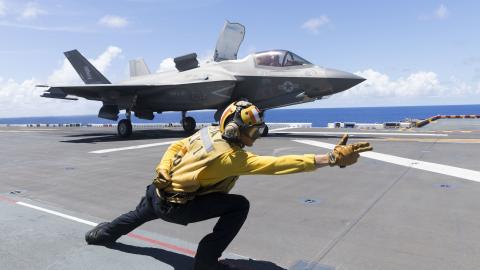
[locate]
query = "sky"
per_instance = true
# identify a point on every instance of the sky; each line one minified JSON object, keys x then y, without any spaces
{"x":411,"y":52}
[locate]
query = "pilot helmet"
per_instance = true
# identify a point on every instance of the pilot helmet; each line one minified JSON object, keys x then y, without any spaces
{"x":238,"y":117}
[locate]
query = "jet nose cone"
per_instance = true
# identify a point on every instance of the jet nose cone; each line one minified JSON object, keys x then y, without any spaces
{"x":341,"y":80}
{"x":352,"y":81}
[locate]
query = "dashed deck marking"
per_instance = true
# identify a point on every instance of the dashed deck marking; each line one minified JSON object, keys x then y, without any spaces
{"x":362,"y":133}
{"x":8,"y":200}
{"x":103,"y":151}
{"x":412,"y":163}
{"x":162,"y":244}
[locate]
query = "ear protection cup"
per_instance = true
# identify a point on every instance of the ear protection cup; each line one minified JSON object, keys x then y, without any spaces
{"x":231,"y":132}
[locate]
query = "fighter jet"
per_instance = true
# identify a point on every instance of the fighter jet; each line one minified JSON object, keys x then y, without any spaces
{"x":269,"y":79}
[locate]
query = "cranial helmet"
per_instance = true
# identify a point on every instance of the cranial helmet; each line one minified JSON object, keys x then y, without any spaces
{"x":239,"y":116}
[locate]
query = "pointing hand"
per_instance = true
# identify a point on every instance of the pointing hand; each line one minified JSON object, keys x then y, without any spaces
{"x":347,"y":154}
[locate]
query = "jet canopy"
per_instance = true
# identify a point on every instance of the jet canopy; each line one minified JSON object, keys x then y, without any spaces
{"x":279,"y":58}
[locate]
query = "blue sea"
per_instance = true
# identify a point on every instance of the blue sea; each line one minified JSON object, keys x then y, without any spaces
{"x":318,"y":117}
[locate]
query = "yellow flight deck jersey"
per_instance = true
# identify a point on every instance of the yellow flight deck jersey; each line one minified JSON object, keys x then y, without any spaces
{"x":205,"y":163}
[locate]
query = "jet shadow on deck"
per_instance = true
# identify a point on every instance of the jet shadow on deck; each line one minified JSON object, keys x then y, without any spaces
{"x":137,"y":136}
{"x":99,"y":137}
{"x":183,"y":262}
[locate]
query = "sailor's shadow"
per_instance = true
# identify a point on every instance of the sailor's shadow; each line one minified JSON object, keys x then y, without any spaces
{"x":253,"y":264}
{"x":184,"y":262}
{"x":177,"y":261}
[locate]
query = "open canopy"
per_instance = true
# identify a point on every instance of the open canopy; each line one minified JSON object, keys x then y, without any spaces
{"x":279,"y":58}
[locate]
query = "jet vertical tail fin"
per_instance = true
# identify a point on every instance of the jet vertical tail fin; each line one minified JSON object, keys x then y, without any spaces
{"x":86,"y":71}
{"x":138,"y":68}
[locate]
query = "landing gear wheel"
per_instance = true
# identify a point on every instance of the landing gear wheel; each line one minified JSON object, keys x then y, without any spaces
{"x":189,"y":124}
{"x":124,"y":128}
{"x":265,"y":131}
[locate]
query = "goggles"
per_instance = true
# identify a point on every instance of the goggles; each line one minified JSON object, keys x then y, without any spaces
{"x":254,"y":132}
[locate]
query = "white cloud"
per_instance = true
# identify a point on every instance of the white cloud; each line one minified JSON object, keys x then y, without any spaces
{"x":48,"y":28}
{"x":416,"y":89}
{"x":67,"y":75}
{"x":113,"y":21}
{"x":441,"y":12}
{"x":414,"y":85}
{"x":103,"y":61}
{"x":3,"y":8}
{"x":31,"y":11}
{"x":417,"y":86}
{"x":313,"y":25}
{"x":23,"y":99}
{"x":19,"y":99}
{"x":64,"y":75}
{"x":167,"y":64}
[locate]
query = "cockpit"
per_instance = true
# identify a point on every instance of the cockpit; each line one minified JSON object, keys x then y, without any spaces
{"x":279,"y":58}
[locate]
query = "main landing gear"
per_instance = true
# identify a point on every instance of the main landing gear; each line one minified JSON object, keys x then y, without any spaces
{"x":124,"y":127}
{"x":188,"y":123}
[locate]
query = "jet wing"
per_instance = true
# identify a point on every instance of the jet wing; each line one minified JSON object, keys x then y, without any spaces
{"x":114,"y":92}
{"x":94,"y":91}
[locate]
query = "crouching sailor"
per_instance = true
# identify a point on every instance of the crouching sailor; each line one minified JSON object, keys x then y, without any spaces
{"x":195,"y":175}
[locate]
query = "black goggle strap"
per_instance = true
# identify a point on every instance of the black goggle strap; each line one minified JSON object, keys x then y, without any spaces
{"x":237,"y":118}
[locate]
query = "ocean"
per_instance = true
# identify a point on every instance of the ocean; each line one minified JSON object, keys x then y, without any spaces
{"x":318,"y":117}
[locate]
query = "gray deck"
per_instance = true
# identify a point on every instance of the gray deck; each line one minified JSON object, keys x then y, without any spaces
{"x":374,"y":215}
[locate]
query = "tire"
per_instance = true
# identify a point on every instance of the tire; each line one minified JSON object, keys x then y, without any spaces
{"x":189,"y":124}
{"x":124,"y":128}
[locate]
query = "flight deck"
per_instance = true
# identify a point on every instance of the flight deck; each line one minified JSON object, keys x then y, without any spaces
{"x":411,"y":203}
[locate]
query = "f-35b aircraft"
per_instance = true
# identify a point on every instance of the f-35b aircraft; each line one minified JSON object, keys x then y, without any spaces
{"x":269,"y":79}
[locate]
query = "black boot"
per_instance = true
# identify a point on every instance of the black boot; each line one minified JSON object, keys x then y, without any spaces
{"x":99,"y":235}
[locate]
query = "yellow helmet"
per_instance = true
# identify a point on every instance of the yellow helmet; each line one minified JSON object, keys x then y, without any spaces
{"x":242,"y":113}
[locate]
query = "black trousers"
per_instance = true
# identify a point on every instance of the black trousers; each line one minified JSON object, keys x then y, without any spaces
{"x":232,"y":210}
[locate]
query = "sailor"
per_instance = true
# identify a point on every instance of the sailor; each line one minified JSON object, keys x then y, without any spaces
{"x":195,"y":175}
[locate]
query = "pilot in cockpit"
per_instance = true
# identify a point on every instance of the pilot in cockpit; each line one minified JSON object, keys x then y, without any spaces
{"x":275,"y":61}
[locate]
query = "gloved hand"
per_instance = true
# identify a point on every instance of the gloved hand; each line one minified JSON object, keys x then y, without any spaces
{"x":345,"y":155}
{"x":162,"y":180}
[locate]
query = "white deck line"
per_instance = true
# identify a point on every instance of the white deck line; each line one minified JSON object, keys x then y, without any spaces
{"x":412,"y":163}
{"x":93,"y":224}
{"x":130,"y":147}
{"x":361,"y":133}
{"x":25,"y":131}
{"x":278,"y":129}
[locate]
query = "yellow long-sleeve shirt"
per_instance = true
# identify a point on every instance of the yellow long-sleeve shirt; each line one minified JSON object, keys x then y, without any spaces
{"x":240,"y":162}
